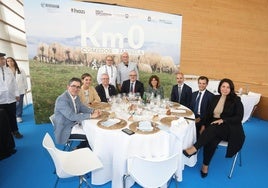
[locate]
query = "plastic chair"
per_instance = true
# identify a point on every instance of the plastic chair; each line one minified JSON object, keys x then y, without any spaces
{"x":257,"y":100}
{"x":238,"y":154}
{"x":154,"y":172}
{"x":74,"y":163}
{"x":74,"y":137}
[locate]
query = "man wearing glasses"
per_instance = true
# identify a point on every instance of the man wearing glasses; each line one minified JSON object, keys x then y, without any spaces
{"x":132,"y":85}
{"x":109,"y":69}
{"x":105,"y":90}
{"x":69,"y":113}
{"x":124,"y":68}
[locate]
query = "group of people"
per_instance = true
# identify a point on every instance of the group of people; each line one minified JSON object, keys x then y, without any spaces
{"x":13,"y":86}
{"x":217,"y":117}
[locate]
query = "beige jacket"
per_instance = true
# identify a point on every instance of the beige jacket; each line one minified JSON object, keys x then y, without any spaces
{"x":92,"y":95}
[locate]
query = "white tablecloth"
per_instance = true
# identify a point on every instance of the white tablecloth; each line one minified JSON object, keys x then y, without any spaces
{"x":114,"y":147}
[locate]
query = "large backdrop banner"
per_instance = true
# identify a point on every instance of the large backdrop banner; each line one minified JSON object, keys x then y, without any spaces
{"x":63,"y":36}
{"x":83,"y":33}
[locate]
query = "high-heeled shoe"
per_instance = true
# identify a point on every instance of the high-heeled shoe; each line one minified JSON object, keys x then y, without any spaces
{"x":203,"y":174}
{"x":187,"y":154}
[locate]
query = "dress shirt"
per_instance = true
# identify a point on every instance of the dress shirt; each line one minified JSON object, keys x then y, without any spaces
{"x":201,"y":93}
{"x":8,"y":87}
{"x":111,"y":71}
{"x":123,"y":71}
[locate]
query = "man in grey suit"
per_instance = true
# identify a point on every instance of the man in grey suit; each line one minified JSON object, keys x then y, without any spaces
{"x":69,"y":112}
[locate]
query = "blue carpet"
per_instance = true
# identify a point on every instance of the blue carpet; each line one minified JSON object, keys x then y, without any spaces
{"x":31,"y":166}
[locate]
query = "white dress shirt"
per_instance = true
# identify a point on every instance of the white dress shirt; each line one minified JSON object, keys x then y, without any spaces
{"x":111,"y":71}
{"x":8,"y":87}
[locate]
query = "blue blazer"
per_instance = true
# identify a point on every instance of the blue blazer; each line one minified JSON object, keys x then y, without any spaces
{"x":101,"y":92}
{"x":206,"y":100}
{"x":65,"y":117}
{"x":186,"y":95}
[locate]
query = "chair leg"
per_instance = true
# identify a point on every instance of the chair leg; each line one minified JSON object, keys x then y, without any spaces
{"x":82,"y":180}
{"x":124,"y":180}
{"x":233,"y":165}
{"x":56,"y":183}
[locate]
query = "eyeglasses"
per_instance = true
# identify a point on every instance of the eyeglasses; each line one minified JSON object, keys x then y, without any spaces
{"x":132,"y":75}
{"x":74,"y":86}
{"x":105,"y":78}
{"x":109,"y":60}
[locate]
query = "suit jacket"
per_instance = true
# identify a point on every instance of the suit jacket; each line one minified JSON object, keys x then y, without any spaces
{"x":139,"y":88}
{"x":206,"y":100}
{"x":101,"y":92}
{"x":93,"y":95}
{"x":186,"y":95}
{"x":65,"y":117}
{"x":232,"y":116}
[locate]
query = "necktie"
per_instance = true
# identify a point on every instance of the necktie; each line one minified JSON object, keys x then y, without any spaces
{"x":131,"y":88}
{"x":179,"y":92}
{"x":3,"y":73}
{"x":197,"y":103}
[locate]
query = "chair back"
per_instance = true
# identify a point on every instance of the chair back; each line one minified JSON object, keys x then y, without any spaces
{"x":248,"y":102}
{"x":49,"y":145}
{"x":152,"y":172}
{"x":51,"y":118}
{"x":257,"y":95}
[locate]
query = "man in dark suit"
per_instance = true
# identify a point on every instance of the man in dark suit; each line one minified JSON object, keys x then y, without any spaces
{"x":181,"y":92}
{"x":132,"y":85}
{"x":105,"y":90}
{"x":201,"y":99}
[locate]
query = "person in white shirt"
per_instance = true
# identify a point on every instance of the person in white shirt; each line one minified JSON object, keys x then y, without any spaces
{"x":108,"y":68}
{"x":124,"y":68}
{"x":9,"y":94}
{"x":22,"y":85}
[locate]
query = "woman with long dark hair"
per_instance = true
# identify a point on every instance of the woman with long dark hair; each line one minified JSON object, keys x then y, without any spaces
{"x":22,"y":85}
{"x":223,"y":122}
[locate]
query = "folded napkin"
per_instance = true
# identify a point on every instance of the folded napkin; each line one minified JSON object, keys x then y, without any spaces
{"x":110,"y":122}
{"x":145,"y":126}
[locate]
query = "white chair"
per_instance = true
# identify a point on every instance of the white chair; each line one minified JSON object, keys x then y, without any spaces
{"x":249,"y":102}
{"x":238,"y":154}
{"x":151,"y":173}
{"x":74,"y":163}
{"x":79,"y":133}
{"x":258,"y":97}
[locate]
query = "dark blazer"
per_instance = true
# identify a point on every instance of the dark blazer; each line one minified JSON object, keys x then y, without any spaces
{"x":186,"y":95}
{"x":101,"y":92}
{"x":232,"y":116}
{"x":206,"y":100}
{"x":139,"y":88}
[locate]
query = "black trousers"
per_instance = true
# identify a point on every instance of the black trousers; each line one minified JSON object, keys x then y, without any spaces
{"x":7,"y":143}
{"x":84,"y":143}
{"x":11,"y":113}
{"x":210,"y":138}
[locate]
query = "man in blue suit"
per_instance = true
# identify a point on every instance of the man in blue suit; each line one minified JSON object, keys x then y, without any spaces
{"x":181,"y":92}
{"x":69,"y":112}
{"x":201,"y":99}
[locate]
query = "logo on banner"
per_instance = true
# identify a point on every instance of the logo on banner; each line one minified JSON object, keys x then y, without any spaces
{"x":78,"y":11}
